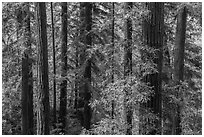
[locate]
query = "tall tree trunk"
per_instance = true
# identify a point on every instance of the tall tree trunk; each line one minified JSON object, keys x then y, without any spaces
{"x":54,"y":67}
{"x":43,"y":114}
{"x":63,"y":92}
{"x":76,"y":78}
{"x":179,"y":59}
{"x":128,"y":65}
{"x":112,"y":54}
{"x":76,"y":82}
{"x":85,"y":61}
{"x":153,"y":37}
{"x":87,"y":73}
{"x":112,"y":58}
{"x":76,"y":92}
{"x":27,"y":79}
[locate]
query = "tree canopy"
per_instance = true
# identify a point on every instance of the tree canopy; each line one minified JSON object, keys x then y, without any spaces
{"x":102,"y":68}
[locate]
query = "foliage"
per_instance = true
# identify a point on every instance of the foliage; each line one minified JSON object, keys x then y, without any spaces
{"x":104,"y":92}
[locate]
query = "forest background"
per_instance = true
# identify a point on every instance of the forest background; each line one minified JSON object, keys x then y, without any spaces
{"x":118,"y":68}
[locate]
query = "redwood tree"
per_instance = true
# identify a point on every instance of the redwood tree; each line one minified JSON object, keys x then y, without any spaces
{"x":43,"y":114}
{"x":87,"y":72}
{"x":54,"y":67}
{"x":112,"y":57}
{"x":128,"y":64}
{"x":27,"y":78}
{"x":179,"y":60}
{"x":63,"y":90}
{"x":85,"y":61}
{"x":153,"y":31}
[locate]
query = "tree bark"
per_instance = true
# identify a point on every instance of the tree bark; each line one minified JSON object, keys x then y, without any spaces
{"x":87,"y":73}
{"x":63,"y":92}
{"x":153,"y":37}
{"x":112,"y":58}
{"x":85,"y":61}
{"x":179,"y":60}
{"x":27,"y":79}
{"x":43,"y":114}
{"x":76,"y":99}
{"x":76,"y":80}
{"x":54,"y":68}
{"x":128,"y":65}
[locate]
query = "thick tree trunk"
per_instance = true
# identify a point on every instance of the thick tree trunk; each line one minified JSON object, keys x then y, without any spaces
{"x":43,"y":114}
{"x":87,"y":73}
{"x":86,"y":19}
{"x":27,"y":80}
{"x":153,"y":37}
{"x":63,"y":92}
{"x":180,"y":44}
{"x":179,"y":60}
{"x":54,"y":67}
{"x":128,"y":65}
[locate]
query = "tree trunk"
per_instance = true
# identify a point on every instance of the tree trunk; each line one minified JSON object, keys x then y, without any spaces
{"x":54,"y":68}
{"x":76,"y":78}
{"x":87,"y":73}
{"x":63,"y":92}
{"x":76,"y":92}
{"x":153,"y":36}
{"x":112,"y":59}
{"x":76,"y":81}
{"x":128,"y":65}
{"x":179,"y":60}
{"x":27,"y":80}
{"x":43,"y":114}
{"x":85,"y":61}
{"x":112,"y":54}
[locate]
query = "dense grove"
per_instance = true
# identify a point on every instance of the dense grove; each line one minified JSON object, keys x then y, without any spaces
{"x":101,"y":68}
